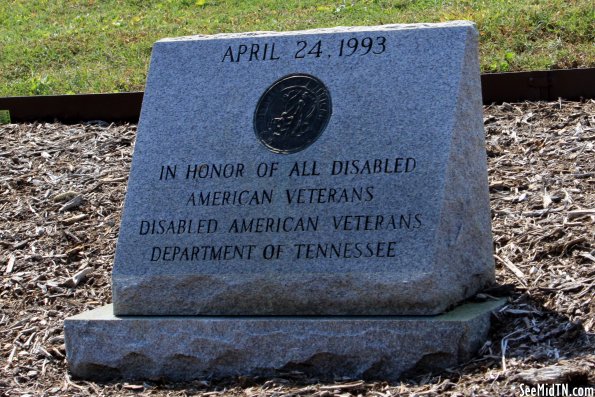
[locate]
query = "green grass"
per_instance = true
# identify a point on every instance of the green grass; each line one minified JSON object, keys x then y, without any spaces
{"x":66,"y":47}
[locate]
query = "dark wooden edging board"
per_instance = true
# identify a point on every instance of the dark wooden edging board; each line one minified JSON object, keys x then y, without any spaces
{"x":570,"y":84}
{"x":547,"y":85}
{"x":74,"y":108}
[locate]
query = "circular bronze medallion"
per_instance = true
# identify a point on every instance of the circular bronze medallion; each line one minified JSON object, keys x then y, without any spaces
{"x":292,"y":113}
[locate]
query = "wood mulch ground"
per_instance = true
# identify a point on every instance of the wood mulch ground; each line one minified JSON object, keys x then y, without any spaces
{"x":61,"y":194}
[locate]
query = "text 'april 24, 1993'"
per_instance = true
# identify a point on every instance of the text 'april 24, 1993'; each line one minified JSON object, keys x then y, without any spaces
{"x":372,"y":45}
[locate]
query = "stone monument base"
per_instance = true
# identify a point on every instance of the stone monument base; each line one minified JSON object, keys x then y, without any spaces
{"x":102,"y":346}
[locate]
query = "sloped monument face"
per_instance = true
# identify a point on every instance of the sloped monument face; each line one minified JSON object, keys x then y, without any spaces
{"x":327,"y":172}
{"x":337,"y":172}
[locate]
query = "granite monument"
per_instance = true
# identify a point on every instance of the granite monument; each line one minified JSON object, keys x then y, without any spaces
{"x":331,"y":173}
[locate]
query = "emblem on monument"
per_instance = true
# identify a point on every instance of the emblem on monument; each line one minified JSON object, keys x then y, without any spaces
{"x":292,"y":113}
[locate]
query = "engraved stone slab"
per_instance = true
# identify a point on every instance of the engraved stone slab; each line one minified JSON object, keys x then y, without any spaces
{"x":101,"y":346}
{"x":325,"y":172}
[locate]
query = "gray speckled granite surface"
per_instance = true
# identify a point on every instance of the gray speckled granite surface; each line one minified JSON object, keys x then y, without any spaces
{"x":414,"y":238}
{"x":101,"y":346}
